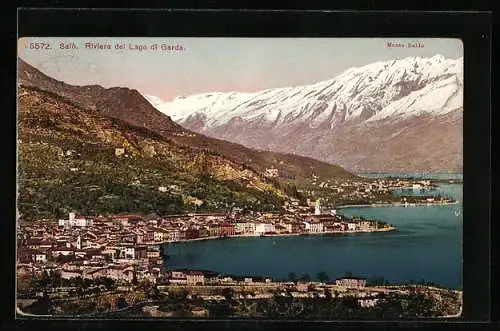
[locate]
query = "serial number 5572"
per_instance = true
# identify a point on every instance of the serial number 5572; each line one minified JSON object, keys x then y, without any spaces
{"x":39,"y":46}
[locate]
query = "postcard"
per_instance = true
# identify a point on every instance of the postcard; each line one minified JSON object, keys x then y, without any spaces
{"x":239,"y":178}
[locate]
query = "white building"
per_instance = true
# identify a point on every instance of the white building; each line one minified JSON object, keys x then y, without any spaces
{"x":127,"y":252}
{"x":316,"y":227}
{"x":73,"y":221}
{"x":41,"y":257}
{"x":261,"y":228}
{"x":67,"y":274}
{"x":288,"y":226}
{"x":317,"y":208}
{"x":351,"y":226}
{"x":82,"y":222}
{"x":174,"y":235}
{"x":195,"y":278}
{"x":368,"y":302}
{"x":239,"y":227}
{"x":250,"y":228}
{"x":130,"y":252}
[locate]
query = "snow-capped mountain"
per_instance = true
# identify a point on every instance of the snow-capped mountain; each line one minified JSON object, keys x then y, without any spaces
{"x":403,"y":87}
{"x":380,"y":95}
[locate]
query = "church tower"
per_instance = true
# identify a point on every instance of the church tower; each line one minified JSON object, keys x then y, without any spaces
{"x":317,"y":209}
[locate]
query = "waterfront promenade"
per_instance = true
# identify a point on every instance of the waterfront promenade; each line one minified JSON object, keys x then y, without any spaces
{"x":385,"y":229}
{"x":399,"y":204}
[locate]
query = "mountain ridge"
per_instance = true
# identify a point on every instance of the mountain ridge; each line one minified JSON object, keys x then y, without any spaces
{"x":96,"y":97}
{"x":81,"y":142}
{"x":376,"y":96}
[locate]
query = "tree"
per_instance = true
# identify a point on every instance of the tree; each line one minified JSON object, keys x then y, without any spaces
{"x":228,"y":293}
{"x":196,"y":300}
{"x":121,"y":303}
{"x":109,"y":283}
{"x":350,"y":302}
{"x":96,"y":290}
{"x":55,"y":278}
{"x":182,"y":294}
{"x":79,"y":292}
{"x":376,"y":281}
{"x":78,"y":281}
{"x":61,"y":259}
{"x":154,"y":293}
{"x":291,"y":190}
{"x":145,"y":285}
{"x":322,"y":276}
{"x":41,"y":306}
{"x":44,"y":279}
{"x":87,"y":283}
{"x":348,"y":274}
{"x":328,"y":294}
{"x":134,"y":277}
{"x":292,"y":277}
{"x":305,"y":277}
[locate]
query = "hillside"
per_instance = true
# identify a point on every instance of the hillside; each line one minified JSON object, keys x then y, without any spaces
{"x":67,"y":162}
{"x":131,"y":107}
{"x":67,"y":149}
{"x":398,"y":115}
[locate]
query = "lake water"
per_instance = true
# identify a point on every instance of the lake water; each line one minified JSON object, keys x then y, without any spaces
{"x":428,"y":245}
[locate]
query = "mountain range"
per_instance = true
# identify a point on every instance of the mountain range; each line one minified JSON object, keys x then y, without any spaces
{"x":103,"y":150}
{"x":398,"y":115}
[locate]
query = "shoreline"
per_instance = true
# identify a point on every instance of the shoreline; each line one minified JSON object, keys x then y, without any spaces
{"x":399,"y":204}
{"x":385,"y":229}
{"x":375,"y":205}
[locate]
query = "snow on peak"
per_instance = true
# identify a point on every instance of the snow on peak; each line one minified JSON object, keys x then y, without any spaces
{"x":155,"y":101}
{"x":398,"y":88}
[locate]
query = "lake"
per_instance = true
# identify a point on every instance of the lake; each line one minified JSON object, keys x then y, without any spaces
{"x":428,"y":245}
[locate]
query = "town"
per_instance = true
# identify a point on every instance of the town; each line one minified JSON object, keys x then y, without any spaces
{"x":118,"y":246}
{"x":116,"y":253}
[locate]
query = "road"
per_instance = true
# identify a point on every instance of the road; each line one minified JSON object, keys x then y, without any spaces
{"x":19,"y":312}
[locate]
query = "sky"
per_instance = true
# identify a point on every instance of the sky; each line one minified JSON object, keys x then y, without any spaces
{"x":185,"y":66}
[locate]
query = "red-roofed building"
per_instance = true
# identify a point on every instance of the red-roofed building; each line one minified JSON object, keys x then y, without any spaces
{"x":192,"y":233}
{"x":227,"y":229}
